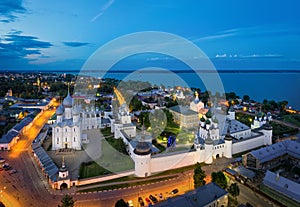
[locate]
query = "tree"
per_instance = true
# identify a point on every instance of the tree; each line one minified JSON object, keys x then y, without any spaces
{"x":246,"y":98}
{"x":234,"y":190}
{"x":219,"y":178}
{"x":67,"y":201}
{"x":135,"y":104}
{"x":144,"y":119}
{"x":199,"y":176}
{"x":121,"y":203}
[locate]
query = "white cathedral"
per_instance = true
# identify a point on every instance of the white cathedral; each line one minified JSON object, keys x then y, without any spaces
{"x":72,"y":120}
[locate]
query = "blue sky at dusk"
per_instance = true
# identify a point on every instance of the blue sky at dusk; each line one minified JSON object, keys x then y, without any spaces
{"x":61,"y":35}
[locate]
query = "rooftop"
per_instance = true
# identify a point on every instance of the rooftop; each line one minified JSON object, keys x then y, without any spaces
{"x":278,"y":149}
{"x":198,"y":197}
{"x":50,"y":169}
{"x":183,"y":110}
{"x":282,"y":185}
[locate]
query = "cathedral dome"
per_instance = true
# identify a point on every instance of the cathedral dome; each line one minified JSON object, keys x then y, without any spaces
{"x":267,"y":126}
{"x":68,"y":101}
{"x":60,"y":110}
{"x":142,"y":148}
{"x":208,"y":140}
{"x":228,"y":136}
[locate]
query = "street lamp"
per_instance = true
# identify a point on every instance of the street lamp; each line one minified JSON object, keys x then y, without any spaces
{"x":189,"y":181}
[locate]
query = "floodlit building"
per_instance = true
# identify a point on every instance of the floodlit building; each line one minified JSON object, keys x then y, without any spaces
{"x":184,"y":116}
{"x":67,"y":131}
{"x":14,"y":134}
{"x":196,"y":105}
{"x":212,"y":140}
{"x":230,"y":136}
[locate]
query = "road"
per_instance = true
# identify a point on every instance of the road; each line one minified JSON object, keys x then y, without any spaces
{"x":24,"y":188}
{"x":247,"y":195}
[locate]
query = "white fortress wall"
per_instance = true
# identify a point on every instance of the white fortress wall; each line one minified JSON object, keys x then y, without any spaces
{"x":92,"y":180}
{"x":175,"y":160}
{"x":247,"y":144}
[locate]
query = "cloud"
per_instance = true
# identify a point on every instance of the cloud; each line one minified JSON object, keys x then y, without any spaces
{"x":248,"y":56}
{"x":8,"y":9}
{"x":15,"y":46}
{"x":253,"y":32}
{"x":221,"y":56}
{"x":216,"y":36}
{"x":102,"y":10}
{"x":75,"y":44}
{"x":261,"y":56}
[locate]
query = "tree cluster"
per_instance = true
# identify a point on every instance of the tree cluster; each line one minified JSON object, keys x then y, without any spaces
{"x":199,"y":176}
{"x":220,"y":179}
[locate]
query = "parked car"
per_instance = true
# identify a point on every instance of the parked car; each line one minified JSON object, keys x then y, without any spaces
{"x":174,"y":191}
{"x":160,"y":196}
{"x":6,"y":167}
{"x":12,"y":172}
{"x":148,"y":201}
{"x":141,"y":202}
{"x":153,"y":199}
{"x":130,"y":203}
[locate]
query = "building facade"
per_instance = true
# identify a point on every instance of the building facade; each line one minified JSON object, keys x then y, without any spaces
{"x":72,"y":120}
{"x":184,"y":117}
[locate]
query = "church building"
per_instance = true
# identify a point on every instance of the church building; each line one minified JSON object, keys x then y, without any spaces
{"x":67,"y":131}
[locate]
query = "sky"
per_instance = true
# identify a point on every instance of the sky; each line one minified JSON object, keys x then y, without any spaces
{"x":62,"y":35}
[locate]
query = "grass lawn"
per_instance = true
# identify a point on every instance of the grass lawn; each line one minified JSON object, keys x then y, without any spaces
{"x":293,"y":119}
{"x":106,"y":132}
{"x":91,"y":169}
{"x":278,"y":196}
{"x":279,"y":129}
{"x":114,"y":160}
{"x":183,"y":137}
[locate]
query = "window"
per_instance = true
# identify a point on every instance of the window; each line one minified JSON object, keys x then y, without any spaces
{"x":74,"y":130}
{"x":57,"y":140}
{"x":66,"y":139}
{"x":66,"y":129}
{"x":57,"y":129}
{"x":74,"y":139}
